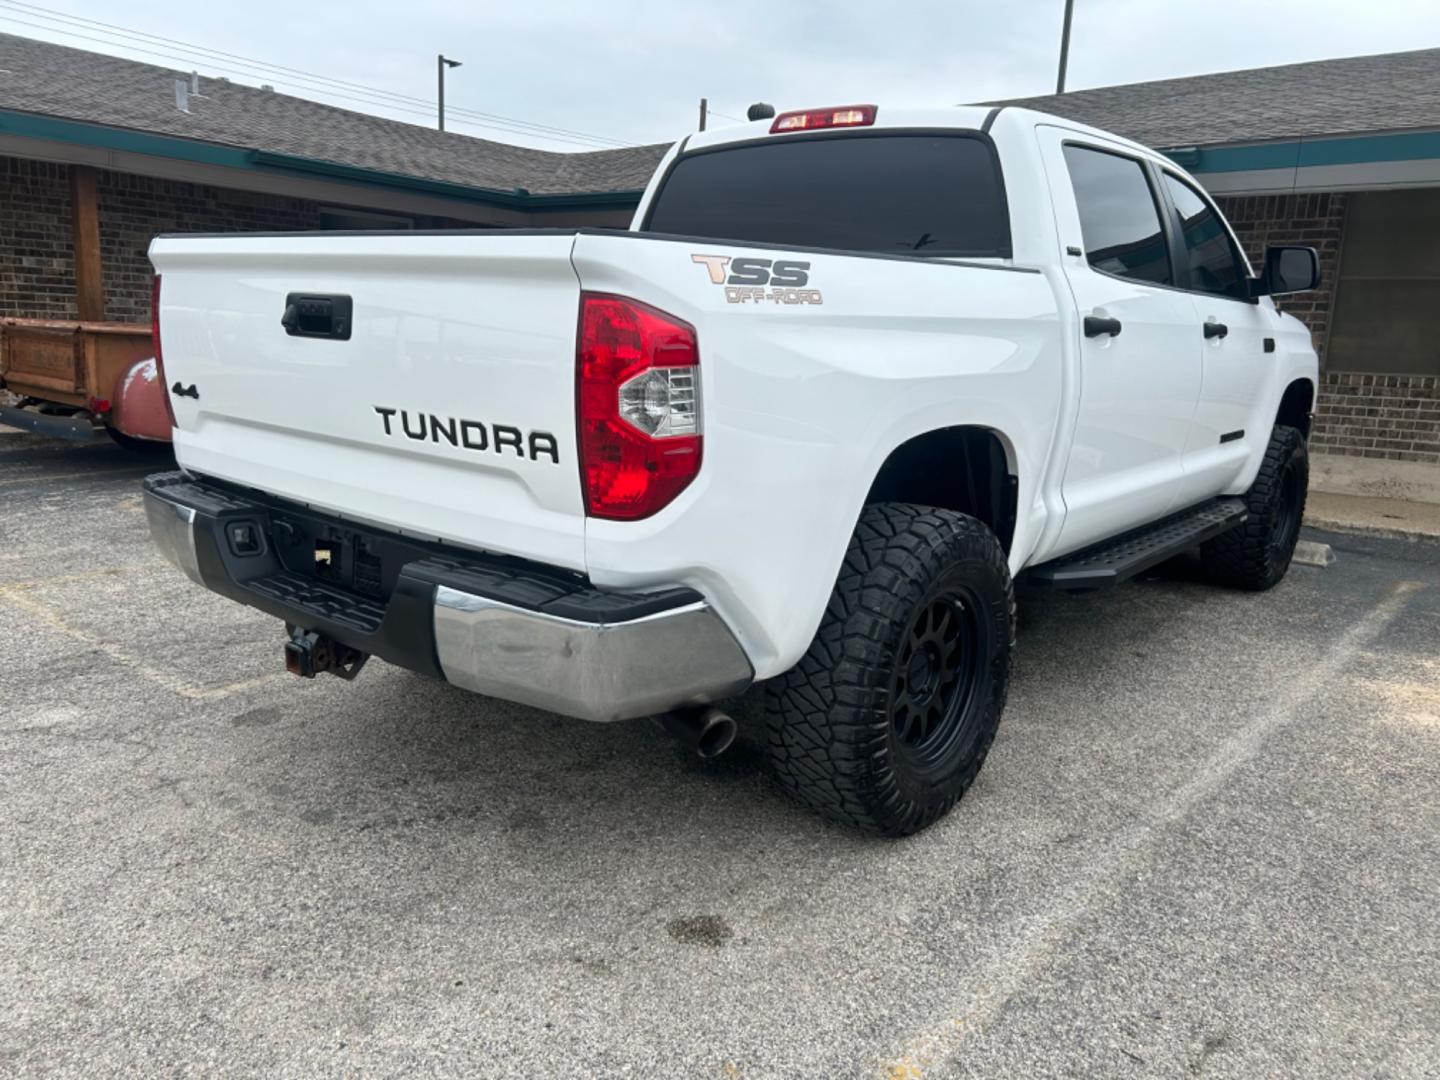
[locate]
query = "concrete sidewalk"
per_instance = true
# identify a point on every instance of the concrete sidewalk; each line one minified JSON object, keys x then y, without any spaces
{"x":1376,"y":517}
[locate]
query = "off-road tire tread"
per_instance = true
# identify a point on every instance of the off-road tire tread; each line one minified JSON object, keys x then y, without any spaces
{"x":1241,"y":558}
{"x":826,"y":718}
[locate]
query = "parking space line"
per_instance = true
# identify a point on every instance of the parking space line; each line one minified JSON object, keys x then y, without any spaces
{"x":16,"y":597}
{"x":40,"y":478}
{"x":1009,"y":972}
{"x":86,"y":575}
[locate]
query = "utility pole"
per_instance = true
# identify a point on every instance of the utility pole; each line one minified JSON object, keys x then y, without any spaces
{"x":704,"y":107}
{"x":1064,"y":47}
{"x":441,"y":63}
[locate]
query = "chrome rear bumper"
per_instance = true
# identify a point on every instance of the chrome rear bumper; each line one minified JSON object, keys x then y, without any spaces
{"x":596,"y":671}
{"x":516,"y":631}
{"x":172,"y":528}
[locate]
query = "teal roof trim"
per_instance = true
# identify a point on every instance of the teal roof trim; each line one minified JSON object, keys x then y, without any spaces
{"x":1306,"y":153}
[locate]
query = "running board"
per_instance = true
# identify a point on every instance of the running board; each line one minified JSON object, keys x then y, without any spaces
{"x":1112,"y":561}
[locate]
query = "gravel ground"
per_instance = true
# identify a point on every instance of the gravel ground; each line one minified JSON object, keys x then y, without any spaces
{"x":1207,"y":842}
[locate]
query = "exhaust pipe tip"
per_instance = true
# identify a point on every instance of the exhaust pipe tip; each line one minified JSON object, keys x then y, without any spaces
{"x":717,"y":735}
{"x":706,"y":730}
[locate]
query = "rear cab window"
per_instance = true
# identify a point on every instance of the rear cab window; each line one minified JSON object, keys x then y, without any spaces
{"x":900,"y":193}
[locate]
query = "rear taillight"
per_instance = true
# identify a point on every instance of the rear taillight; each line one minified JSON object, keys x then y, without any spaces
{"x":638,"y":407}
{"x":155,"y":341}
{"x":815,"y":119}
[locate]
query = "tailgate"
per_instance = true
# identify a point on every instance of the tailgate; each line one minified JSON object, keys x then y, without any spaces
{"x":424,"y":382}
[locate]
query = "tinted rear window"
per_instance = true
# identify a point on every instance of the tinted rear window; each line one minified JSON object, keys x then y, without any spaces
{"x":893,"y":194}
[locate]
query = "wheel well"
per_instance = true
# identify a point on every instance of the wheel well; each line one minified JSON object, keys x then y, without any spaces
{"x":1296,"y":406}
{"x":965,"y":469}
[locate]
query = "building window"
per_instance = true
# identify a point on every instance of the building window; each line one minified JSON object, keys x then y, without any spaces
{"x":1387,"y":298}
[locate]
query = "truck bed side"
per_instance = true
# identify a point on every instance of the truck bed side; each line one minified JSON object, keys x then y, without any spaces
{"x":804,"y":401}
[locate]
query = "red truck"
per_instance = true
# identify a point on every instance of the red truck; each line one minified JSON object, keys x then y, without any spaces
{"x":75,"y":380}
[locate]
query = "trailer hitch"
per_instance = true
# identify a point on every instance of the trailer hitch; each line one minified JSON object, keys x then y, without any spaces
{"x":308,"y":653}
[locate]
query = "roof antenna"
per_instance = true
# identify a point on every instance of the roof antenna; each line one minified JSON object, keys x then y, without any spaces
{"x":760,"y":111}
{"x":182,"y":95}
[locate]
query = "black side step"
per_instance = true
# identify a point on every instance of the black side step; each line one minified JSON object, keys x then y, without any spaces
{"x":1126,"y":555}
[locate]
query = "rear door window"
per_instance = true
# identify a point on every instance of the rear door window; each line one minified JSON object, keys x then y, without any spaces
{"x":901,"y":194}
{"x":1119,"y":218}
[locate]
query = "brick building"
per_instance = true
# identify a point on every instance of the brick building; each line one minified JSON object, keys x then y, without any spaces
{"x":1343,"y":155}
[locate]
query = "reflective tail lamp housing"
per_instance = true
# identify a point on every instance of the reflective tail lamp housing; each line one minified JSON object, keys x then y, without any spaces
{"x":637,"y":407}
{"x":817,"y":119}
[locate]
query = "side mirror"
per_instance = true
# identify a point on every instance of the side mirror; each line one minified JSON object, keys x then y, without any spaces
{"x":1288,"y":270}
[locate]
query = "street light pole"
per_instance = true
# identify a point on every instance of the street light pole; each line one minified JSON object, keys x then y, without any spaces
{"x":1064,"y":47}
{"x":441,"y":63}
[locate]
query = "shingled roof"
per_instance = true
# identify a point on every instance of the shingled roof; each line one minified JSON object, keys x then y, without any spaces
{"x":56,"y":81}
{"x":1390,"y":92}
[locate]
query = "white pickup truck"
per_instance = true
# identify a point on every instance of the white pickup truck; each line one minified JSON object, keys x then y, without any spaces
{"x":848,"y":375}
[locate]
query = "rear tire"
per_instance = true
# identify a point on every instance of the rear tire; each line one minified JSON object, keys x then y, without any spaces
{"x":888,"y":717}
{"x":1257,"y":554}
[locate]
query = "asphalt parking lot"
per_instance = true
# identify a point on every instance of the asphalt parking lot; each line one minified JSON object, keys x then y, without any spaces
{"x":1207,"y":842}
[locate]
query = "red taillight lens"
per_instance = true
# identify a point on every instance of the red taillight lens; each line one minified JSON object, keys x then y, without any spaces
{"x":155,"y":341}
{"x":638,"y":407}
{"x":814,"y":119}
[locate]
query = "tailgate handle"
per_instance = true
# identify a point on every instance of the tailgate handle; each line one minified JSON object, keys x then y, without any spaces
{"x":318,"y":315}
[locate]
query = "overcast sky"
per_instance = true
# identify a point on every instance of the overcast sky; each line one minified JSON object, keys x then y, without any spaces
{"x":635,"y":71}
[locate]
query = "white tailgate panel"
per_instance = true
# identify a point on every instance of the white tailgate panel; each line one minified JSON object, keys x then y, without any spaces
{"x":459,"y":327}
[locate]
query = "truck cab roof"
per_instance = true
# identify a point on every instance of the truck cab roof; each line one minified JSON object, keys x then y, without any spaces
{"x":959,"y":118}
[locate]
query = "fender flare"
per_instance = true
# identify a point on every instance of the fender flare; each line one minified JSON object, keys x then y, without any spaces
{"x":138,"y":406}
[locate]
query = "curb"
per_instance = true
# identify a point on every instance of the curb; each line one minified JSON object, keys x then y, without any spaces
{"x":1384,"y":532}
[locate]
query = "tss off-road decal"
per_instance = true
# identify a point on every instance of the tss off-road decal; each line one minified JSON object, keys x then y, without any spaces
{"x":754,"y":281}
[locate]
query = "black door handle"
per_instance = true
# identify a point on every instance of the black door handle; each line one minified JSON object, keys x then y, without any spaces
{"x":1215,"y":329}
{"x":1095,"y":326}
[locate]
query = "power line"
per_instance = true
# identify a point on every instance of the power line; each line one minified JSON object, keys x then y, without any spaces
{"x":307,"y":80}
{"x":509,"y":127}
{"x":267,"y":69}
{"x":393,"y":106}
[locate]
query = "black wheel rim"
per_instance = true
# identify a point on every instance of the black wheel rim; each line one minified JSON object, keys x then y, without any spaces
{"x":937,"y":672}
{"x":1287,"y":514}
